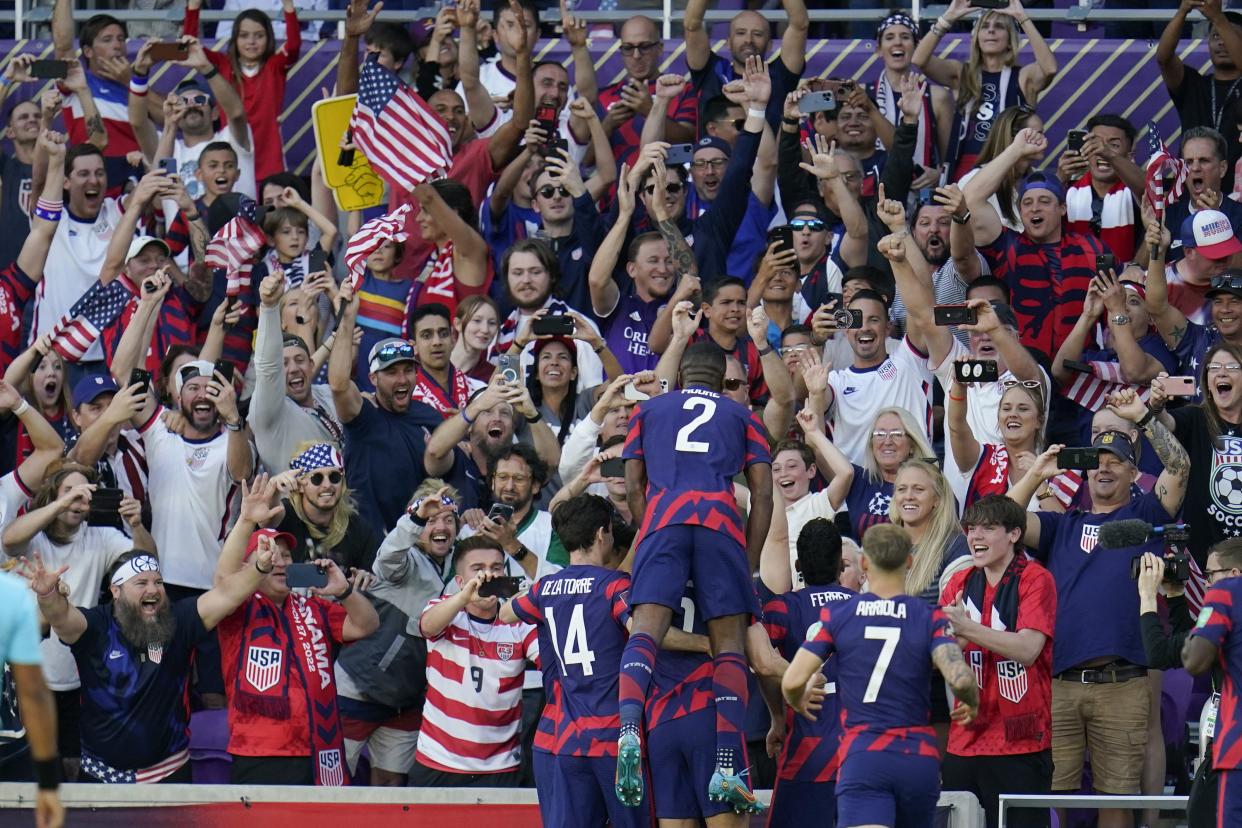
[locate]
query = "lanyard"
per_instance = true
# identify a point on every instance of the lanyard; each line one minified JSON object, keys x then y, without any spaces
{"x":1217,"y":116}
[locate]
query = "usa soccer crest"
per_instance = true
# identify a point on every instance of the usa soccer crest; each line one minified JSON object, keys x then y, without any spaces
{"x":155,"y":653}
{"x":331,"y":770}
{"x":1090,"y":535}
{"x":263,"y":667}
{"x":504,"y":651}
{"x":1011,"y":680}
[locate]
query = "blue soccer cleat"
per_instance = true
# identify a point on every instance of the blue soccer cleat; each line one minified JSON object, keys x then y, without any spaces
{"x":629,"y":781}
{"x":734,"y":790}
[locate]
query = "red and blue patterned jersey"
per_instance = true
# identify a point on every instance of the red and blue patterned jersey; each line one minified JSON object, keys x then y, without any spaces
{"x":682,"y":683}
{"x":1222,"y":611}
{"x":581,"y":612}
{"x":693,"y":441}
{"x":883,"y":652}
{"x":810,"y":752}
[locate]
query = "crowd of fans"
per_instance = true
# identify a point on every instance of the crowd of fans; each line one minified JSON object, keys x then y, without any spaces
{"x":921,"y":306}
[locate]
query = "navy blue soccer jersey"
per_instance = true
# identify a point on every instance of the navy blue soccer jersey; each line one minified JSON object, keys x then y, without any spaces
{"x":693,"y":442}
{"x":581,"y":612}
{"x":1222,"y":611}
{"x":883,"y":651}
{"x":682,"y":683}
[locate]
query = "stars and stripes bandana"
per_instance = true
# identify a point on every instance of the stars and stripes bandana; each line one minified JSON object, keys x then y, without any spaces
{"x":318,"y":456}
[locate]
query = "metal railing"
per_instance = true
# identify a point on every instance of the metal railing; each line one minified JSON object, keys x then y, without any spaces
{"x":1088,"y":802}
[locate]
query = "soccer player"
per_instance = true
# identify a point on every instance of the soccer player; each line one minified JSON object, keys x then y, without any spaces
{"x":682,"y":452}
{"x":805,"y":783}
{"x":1214,"y":635}
{"x":885,"y":643}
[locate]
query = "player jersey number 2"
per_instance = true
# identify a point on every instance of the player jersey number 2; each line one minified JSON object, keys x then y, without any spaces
{"x":576,"y":651}
{"x":890,"y":636}
{"x":684,"y":443}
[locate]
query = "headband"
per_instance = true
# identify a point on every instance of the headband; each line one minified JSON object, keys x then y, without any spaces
{"x":135,"y":566}
{"x":318,"y":456}
{"x":898,"y":19}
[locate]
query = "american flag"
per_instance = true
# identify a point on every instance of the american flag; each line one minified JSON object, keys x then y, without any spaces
{"x":402,"y":136}
{"x":98,"y":308}
{"x":370,"y":237}
{"x":1166,"y":173}
{"x":234,"y":246}
{"x":160,"y":770}
{"x":1092,"y":391}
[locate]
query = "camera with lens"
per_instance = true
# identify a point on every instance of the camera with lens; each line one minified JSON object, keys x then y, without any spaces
{"x":847,"y":318}
{"x":1176,"y":561}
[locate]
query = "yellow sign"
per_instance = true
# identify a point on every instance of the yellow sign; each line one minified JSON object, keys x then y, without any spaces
{"x":357,"y":186}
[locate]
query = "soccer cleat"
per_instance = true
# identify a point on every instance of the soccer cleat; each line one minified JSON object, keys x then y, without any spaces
{"x":629,"y":781}
{"x":734,"y":790}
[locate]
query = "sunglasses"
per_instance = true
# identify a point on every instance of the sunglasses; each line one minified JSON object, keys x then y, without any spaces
{"x":334,"y":477}
{"x":549,"y":190}
{"x":814,"y":225}
{"x":713,"y":163}
{"x":1013,"y":383}
{"x":402,"y":349}
{"x":631,"y":48}
{"x":894,"y":433}
{"x":194,"y":100}
{"x":671,"y":187}
{"x":733,"y":384}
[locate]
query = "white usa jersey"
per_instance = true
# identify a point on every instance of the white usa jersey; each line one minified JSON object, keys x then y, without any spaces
{"x":901,"y":381}
{"x":473,"y":711}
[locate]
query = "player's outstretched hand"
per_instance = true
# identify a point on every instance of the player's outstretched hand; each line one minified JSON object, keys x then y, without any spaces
{"x":964,"y":714}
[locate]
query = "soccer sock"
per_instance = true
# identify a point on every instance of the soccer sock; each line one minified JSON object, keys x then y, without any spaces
{"x":637,"y":665}
{"x":730,"y":688}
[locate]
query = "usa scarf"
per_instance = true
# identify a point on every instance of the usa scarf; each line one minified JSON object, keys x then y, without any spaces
{"x":438,"y":281}
{"x":886,"y":100}
{"x":294,"y":635}
{"x":1116,"y":228}
{"x":446,"y":401}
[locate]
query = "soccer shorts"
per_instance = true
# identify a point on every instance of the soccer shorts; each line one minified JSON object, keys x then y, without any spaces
{"x":798,"y":804}
{"x":897,"y":789}
{"x":681,"y":757}
{"x":580,"y":792}
{"x":389,"y":735}
{"x":1229,"y":798}
{"x":669,"y":557}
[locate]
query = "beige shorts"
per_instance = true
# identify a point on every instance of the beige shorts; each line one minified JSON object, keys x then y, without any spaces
{"x":1110,"y":721}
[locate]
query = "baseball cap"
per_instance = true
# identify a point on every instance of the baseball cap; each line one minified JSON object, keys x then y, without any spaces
{"x":1210,"y":232}
{"x":389,"y":351}
{"x":1042,"y":181}
{"x":1117,"y":443}
{"x":140,"y":243}
{"x":1228,"y":282}
{"x":195,"y":84}
{"x":91,"y":386}
{"x":540,"y":344}
{"x":253,"y":543}
{"x":712,"y":142}
{"x":187,"y":372}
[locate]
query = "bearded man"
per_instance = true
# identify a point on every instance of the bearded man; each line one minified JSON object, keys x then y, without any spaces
{"x":133,"y":656}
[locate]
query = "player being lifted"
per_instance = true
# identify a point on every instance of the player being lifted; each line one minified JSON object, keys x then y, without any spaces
{"x":682,"y":452}
{"x":885,"y":643}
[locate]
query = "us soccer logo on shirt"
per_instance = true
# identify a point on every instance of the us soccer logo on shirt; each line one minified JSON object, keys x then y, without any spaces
{"x":1090,"y":534}
{"x":263,"y":667}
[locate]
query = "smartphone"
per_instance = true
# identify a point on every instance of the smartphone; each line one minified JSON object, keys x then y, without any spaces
{"x":1077,"y":365}
{"x":557,"y":324}
{"x":105,"y":508}
{"x":782,"y":237}
{"x":504,"y":587}
{"x":847,"y":318}
{"x":140,"y":377}
{"x":839,"y":298}
{"x":946,"y":315}
{"x":632,"y":394}
{"x":679,"y":154}
{"x":508,"y":368}
{"x":500,"y":511}
{"x":50,"y":69}
{"x":988,"y":4}
{"x":1178,"y":386}
{"x":612,"y":468}
{"x":1105,"y":262}
{"x":1074,"y":139}
{"x":1079,"y":458}
{"x":817,"y":102}
{"x":976,"y":370}
{"x":169,"y":166}
{"x":168,"y":51}
{"x":305,"y":575}
{"x":225,"y":369}
{"x":546,"y":116}
{"x":554,"y":146}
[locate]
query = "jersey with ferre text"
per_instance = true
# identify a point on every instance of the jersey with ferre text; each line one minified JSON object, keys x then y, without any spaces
{"x":1221,"y":613}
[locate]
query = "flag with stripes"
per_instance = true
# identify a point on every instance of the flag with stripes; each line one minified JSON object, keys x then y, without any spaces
{"x":1166,"y":173}
{"x":1092,"y":390}
{"x":81,"y":327}
{"x":370,"y":237}
{"x":234,"y":246}
{"x":402,"y":137}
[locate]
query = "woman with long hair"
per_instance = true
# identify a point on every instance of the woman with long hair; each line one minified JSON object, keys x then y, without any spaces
{"x":462,"y":265}
{"x":1007,"y":126}
{"x":39,"y":374}
{"x":923,"y":505}
{"x":319,"y":510}
{"x":995,"y":467}
{"x":553,"y":384}
{"x":991,"y":80}
{"x":475,"y":325}
{"x":258,"y":69}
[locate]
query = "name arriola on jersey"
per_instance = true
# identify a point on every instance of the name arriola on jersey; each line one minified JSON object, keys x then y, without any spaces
{"x":880,"y":607}
{"x":568,"y":586}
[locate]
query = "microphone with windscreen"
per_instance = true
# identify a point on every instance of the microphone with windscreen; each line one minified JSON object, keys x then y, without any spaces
{"x":1122,"y":534}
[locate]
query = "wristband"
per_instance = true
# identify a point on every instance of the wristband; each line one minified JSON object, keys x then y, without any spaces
{"x":412,"y":511}
{"x":466,"y":417}
{"x":48,"y":210}
{"x":1146,"y":419}
{"x":211,"y":73}
{"x":138,"y":85}
{"x":960,"y":219}
{"x":238,"y":426}
{"x":47,"y":773}
{"x":349,"y":590}
{"x":957,"y":399}
{"x":21,"y":408}
{"x":601,"y":348}
{"x":757,"y":113}
{"x":791,"y":122}
{"x":764,"y":351}
{"x":1023,"y":22}
{"x":521,"y":553}
{"x":538,"y":416}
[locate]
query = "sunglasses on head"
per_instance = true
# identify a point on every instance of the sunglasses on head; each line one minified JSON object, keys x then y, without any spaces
{"x":670,"y":187}
{"x":733,"y":383}
{"x":549,"y":190}
{"x":404,"y":349}
{"x":316,"y":478}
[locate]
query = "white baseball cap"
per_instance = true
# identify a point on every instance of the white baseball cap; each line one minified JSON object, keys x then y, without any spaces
{"x":140,"y":243}
{"x":1210,"y":232}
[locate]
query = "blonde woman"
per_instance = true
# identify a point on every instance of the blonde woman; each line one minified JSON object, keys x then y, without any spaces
{"x":991,"y":80}
{"x":923,"y":505}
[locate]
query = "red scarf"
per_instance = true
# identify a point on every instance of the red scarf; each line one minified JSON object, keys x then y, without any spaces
{"x":448,"y":403}
{"x":439,"y":284}
{"x":299,"y":631}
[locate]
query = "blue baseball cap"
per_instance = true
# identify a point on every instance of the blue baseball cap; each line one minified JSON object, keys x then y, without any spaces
{"x":90,"y":387}
{"x":712,"y":142}
{"x":1042,"y":181}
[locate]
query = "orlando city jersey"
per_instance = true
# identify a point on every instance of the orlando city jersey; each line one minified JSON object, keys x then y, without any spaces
{"x":810,"y":752}
{"x":580,"y":612}
{"x":883,"y":652}
{"x":1222,"y":611}
{"x":693,"y":442}
{"x":682,"y":682}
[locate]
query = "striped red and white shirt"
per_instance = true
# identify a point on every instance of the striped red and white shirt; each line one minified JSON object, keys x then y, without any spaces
{"x":473,"y":711}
